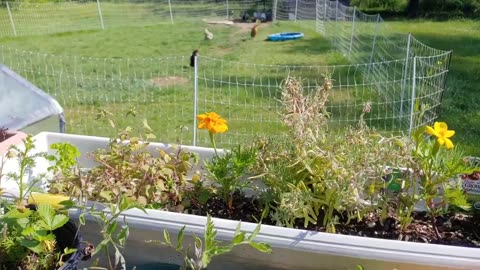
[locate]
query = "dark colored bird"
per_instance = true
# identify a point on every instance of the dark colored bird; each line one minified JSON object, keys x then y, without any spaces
{"x":192,"y":58}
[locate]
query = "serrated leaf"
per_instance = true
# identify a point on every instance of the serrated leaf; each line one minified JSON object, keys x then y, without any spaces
{"x":49,"y":220}
{"x":15,"y":214}
{"x":33,"y":245}
{"x":180,"y":239}
{"x":262,"y":247}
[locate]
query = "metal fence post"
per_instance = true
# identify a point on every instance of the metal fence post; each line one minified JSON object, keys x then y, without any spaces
{"x":100,"y":14}
{"x":353,"y":33}
{"x":296,"y":9}
{"x":170,"y":8}
{"x":405,"y":75}
{"x":227,"y":9}
{"x":11,"y":20}
{"x":274,"y":10}
{"x":195,"y":100}
{"x":374,"y":43}
{"x":412,"y":105}
{"x":336,"y":24}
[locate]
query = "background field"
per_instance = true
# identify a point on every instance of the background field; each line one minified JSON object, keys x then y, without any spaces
{"x":160,"y":43}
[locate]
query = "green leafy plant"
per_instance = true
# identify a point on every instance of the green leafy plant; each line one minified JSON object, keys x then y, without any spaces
{"x":127,"y":167}
{"x":26,"y":157}
{"x":27,"y":238}
{"x":229,"y":171}
{"x":322,"y":174}
{"x":114,"y":236}
{"x":206,"y":250}
{"x":435,"y":163}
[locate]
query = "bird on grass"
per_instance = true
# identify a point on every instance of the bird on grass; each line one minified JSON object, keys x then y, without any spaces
{"x":192,"y":58}
{"x":208,"y":34}
{"x":254,"y":31}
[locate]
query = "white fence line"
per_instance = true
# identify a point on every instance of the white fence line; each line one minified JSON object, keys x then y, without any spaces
{"x":399,"y":72}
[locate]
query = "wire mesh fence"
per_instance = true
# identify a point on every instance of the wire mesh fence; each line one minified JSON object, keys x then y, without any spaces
{"x":396,"y":75}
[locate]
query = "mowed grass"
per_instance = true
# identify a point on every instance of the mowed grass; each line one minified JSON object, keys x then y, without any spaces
{"x":114,"y":70}
{"x":461,"y":102}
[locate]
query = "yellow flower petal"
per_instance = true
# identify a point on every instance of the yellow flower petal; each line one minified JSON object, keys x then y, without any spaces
{"x":430,"y":130}
{"x":440,"y":126}
{"x":440,"y":130}
{"x":441,"y":141}
{"x":448,"y":143}
{"x":449,"y":133}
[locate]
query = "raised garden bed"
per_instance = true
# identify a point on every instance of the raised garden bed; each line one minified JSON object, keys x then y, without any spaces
{"x":325,"y":202}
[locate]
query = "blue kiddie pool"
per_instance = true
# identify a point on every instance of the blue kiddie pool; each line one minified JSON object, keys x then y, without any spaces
{"x":285,"y":36}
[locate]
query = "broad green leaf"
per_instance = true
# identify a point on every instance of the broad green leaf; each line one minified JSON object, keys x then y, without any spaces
{"x":263,"y":247}
{"x":15,"y":214}
{"x":50,"y":221}
{"x":33,"y":245}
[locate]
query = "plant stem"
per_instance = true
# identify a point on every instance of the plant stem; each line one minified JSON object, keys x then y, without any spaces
{"x":212,"y":139}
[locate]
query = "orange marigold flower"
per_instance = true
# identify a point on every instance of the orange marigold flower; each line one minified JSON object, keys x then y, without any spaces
{"x":213,"y":122}
{"x":440,"y":130}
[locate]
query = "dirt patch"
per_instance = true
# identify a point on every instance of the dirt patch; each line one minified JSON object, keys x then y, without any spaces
{"x":169,"y":81}
{"x":247,"y":27}
{"x":218,"y":22}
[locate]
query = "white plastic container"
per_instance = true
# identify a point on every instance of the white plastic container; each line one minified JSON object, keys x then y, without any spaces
{"x":292,"y":248}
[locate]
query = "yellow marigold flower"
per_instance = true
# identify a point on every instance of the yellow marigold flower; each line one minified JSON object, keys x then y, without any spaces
{"x":213,"y":122}
{"x":440,"y":130}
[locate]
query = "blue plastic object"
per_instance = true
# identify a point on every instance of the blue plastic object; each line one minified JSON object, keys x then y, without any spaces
{"x":285,"y":36}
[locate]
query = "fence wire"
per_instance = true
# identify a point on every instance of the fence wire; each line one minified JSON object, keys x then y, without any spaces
{"x":396,"y":74}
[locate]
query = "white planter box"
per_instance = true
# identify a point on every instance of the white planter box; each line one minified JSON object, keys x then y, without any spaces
{"x":292,"y":248}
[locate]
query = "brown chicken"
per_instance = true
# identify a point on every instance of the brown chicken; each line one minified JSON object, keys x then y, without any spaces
{"x":254,"y":32}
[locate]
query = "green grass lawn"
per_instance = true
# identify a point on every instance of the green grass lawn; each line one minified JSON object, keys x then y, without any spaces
{"x":100,"y":76}
{"x":461,"y":102}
